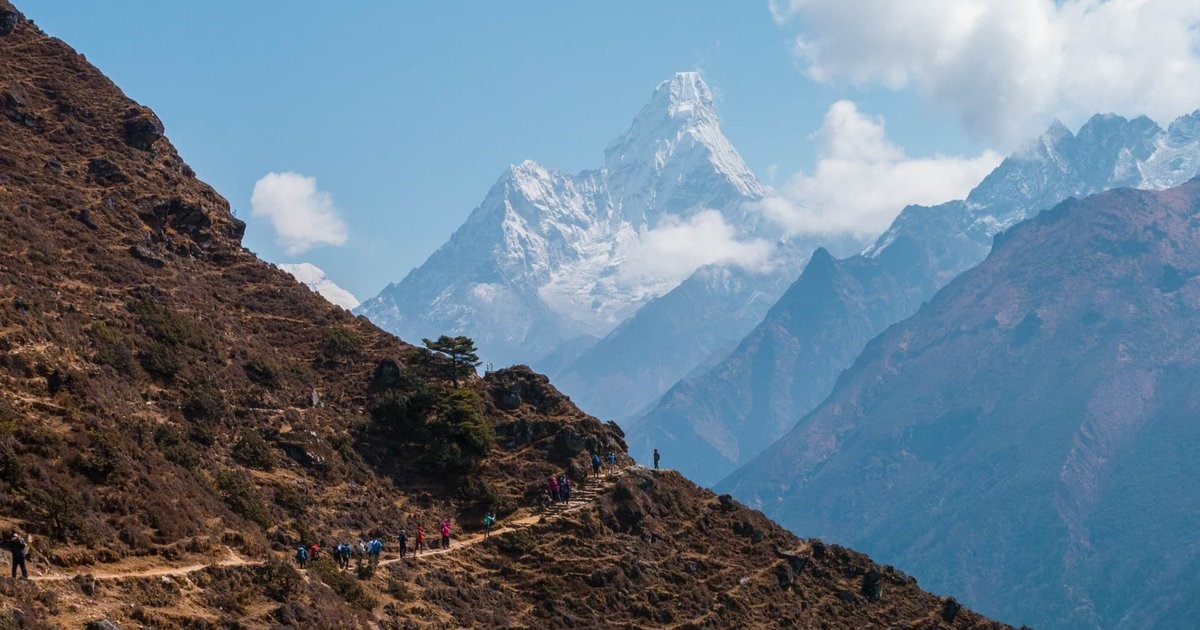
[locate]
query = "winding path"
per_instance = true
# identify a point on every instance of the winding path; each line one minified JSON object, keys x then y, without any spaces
{"x":585,"y":497}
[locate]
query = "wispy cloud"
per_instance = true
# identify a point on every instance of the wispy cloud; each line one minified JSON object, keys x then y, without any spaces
{"x":302,"y":215}
{"x":676,"y":247}
{"x":862,"y":180}
{"x":1007,"y":66}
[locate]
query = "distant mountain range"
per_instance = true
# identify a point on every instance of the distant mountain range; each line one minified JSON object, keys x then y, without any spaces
{"x":712,"y":422}
{"x":546,"y":271}
{"x":1027,"y":440}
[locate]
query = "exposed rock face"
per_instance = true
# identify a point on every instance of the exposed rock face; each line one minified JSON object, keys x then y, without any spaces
{"x":715,"y":421}
{"x":1036,"y":416}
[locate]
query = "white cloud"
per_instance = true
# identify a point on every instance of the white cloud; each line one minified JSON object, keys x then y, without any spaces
{"x":676,"y":247}
{"x":1007,"y":66}
{"x":312,"y":276}
{"x":862,"y":180}
{"x":303,"y":216}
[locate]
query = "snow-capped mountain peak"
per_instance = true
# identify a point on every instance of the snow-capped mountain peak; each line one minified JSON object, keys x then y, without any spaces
{"x":312,"y":276}
{"x":541,"y":259}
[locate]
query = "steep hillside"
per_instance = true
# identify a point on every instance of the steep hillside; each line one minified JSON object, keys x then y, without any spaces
{"x":716,"y":421}
{"x":1026,"y":439}
{"x":176,"y":416}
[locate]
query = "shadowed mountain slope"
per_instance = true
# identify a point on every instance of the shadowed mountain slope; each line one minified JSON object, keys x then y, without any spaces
{"x":1026,"y":439}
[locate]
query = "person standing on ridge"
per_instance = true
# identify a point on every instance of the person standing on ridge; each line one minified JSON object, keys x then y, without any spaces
{"x":446,"y":534}
{"x":488,"y":520}
{"x":656,"y":458}
{"x":402,"y":539}
{"x":18,"y":547}
{"x":612,"y":460}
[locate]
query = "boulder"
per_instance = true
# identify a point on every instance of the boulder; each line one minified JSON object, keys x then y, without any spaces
{"x":727,"y":503}
{"x":872,"y":585}
{"x":102,"y":624}
{"x":105,"y":173}
{"x":386,"y":374}
{"x":950,"y":609}
{"x":144,"y":254}
{"x":9,"y":18}
{"x":141,"y":128}
{"x":508,"y":400}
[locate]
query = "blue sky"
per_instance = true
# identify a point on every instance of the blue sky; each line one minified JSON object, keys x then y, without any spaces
{"x":406,"y":113}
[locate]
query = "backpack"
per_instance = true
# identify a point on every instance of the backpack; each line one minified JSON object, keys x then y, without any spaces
{"x":488,"y":520}
{"x":301,"y":554}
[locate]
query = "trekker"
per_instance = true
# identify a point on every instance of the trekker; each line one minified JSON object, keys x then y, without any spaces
{"x":402,"y":539}
{"x":488,"y":520}
{"x":612,"y":459}
{"x":375,"y":548}
{"x":446,"y":534}
{"x":18,"y":547}
{"x":553,"y":490}
{"x":337,"y":556}
{"x":314,"y":551}
{"x":302,"y":556}
{"x":596,"y":464}
{"x":420,"y":544}
{"x":346,"y":551}
{"x":564,"y":488}
{"x":656,"y":458}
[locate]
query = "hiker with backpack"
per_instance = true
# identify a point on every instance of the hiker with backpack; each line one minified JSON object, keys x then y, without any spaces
{"x":656,"y":458}
{"x":375,"y":550}
{"x":314,"y":552}
{"x":420,"y":543}
{"x":564,"y":488}
{"x":596,"y":464}
{"x":612,"y":460}
{"x":553,"y":490}
{"x":302,"y":556}
{"x":488,"y":520}
{"x":402,"y":540}
{"x":446,"y":534}
{"x":17,"y":547}
{"x":337,"y":556}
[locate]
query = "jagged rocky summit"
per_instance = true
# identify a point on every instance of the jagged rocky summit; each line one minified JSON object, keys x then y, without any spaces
{"x":714,"y":421}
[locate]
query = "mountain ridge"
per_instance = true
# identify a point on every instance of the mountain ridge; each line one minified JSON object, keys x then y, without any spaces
{"x":789,"y":363}
{"x":1033,"y":416}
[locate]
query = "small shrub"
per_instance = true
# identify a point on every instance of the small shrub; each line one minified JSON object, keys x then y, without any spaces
{"x":400,"y":590}
{"x":11,"y":469}
{"x":103,"y":459}
{"x":343,"y":584}
{"x":242,"y":496}
{"x":174,"y":446}
{"x":479,"y":493}
{"x":340,"y":342}
{"x":462,"y":413}
{"x":516,"y":543}
{"x":291,"y":499}
{"x":279,"y":579}
{"x":167,"y":326}
{"x":262,"y":371}
{"x":113,"y":349}
{"x":253,"y":451}
{"x":161,"y":360}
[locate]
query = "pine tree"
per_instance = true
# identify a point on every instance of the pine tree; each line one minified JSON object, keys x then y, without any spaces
{"x":461,"y":352}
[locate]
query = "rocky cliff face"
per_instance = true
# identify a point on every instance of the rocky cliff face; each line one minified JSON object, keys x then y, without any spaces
{"x":169,"y":402}
{"x":1024,"y":439}
{"x":713,"y":422}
